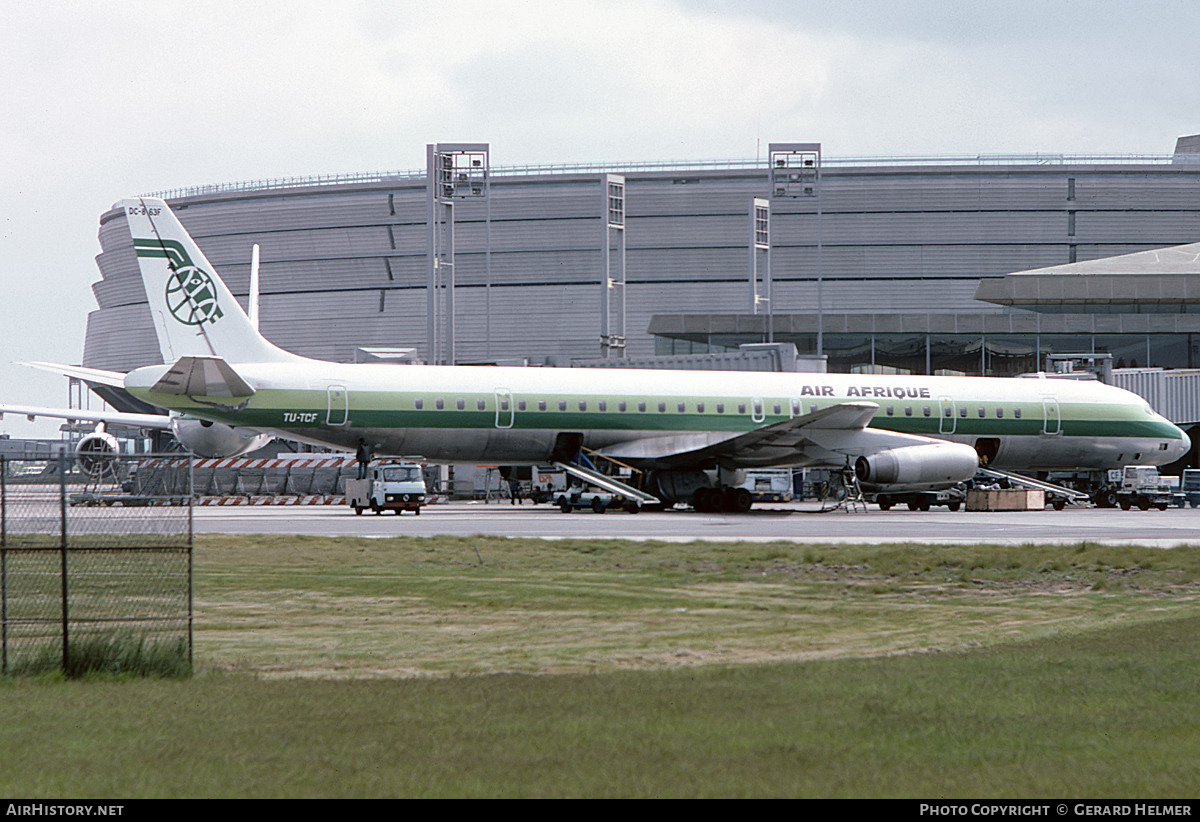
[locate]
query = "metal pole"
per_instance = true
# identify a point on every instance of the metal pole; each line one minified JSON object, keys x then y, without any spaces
{"x":190,"y":554}
{"x":4,"y":565}
{"x":62,"y":507}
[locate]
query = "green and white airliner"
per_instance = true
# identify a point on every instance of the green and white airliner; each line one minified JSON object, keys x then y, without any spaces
{"x":691,"y":431}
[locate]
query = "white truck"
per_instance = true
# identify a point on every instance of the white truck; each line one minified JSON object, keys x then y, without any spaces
{"x":389,"y":486}
{"x":1142,"y":488}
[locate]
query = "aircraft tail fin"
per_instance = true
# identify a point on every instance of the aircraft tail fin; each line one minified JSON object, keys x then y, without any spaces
{"x":194,"y":312}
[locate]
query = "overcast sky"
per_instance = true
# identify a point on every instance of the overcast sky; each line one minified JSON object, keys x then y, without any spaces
{"x":99,"y":100}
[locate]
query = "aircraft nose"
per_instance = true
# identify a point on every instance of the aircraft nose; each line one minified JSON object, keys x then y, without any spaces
{"x":1183,"y":444}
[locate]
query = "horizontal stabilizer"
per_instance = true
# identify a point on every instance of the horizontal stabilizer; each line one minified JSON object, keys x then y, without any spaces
{"x":203,"y":377}
{"x":114,"y":379}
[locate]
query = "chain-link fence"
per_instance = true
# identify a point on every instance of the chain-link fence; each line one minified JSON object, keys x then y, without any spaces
{"x":94,"y":574}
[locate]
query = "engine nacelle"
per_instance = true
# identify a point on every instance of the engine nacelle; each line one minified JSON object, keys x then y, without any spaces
{"x":213,"y":440}
{"x":97,"y":453}
{"x":918,"y":467}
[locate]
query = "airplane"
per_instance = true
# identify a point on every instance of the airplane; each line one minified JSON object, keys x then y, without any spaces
{"x":691,"y":431}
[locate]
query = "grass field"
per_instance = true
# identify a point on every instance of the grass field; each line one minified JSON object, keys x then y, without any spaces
{"x":492,"y":667}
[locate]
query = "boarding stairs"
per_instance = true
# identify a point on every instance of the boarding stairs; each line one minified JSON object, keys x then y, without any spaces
{"x":1059,"y":494}
{"x":607,"y":482}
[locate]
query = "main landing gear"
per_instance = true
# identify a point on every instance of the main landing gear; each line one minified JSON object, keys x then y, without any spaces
{"x":714,"y":500}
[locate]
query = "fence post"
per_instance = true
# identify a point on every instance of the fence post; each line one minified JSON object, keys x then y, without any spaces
{"x":62,"y":506}
{"x":4,"y":565}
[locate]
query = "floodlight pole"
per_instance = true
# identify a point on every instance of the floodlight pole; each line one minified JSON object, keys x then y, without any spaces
{"x":454,"y":171}
{"x":794,"y":171}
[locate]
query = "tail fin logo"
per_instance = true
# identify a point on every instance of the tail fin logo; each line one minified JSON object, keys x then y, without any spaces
{"x":190,"y":293}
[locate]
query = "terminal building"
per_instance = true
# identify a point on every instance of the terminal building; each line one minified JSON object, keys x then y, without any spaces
{"x":982,"y":265}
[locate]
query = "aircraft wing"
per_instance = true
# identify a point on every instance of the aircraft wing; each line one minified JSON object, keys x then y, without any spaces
{"x":73,"y":414}
{"x":825,"y":436}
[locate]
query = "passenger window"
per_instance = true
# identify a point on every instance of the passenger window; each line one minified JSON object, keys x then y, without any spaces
{"x":680,"y":408}
{"x":720,"y":408}
{"x":1017,"y":413}
{"x":642,"y":406}
{"x":583,"y":405}
{"x":460,"y":404}
{"x":418,"y":403}
{"x":699,"y":408}
{"x":602,"y":405}
{"x":982,"y":413}
{"x":481,"y":405}
{"x":439,"y":403}
{"x":891,"y":411}
{"x":741,"y":408}
{"x":662,"y":406}
{"x":908,"y":410}
{"x":562,"y":405}
{"x":541,"y":405}
{"x":521,"y":405}
{"x":621,"y":406}
{"x":999,"y":413}
{"x":795,"y":408}
{"x":778,"y":410}
{"x":929,"y":412}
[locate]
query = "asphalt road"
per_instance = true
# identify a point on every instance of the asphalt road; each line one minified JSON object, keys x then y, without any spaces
{"x":798,"y":522}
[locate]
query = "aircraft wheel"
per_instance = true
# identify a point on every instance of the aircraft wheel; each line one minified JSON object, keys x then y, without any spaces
{"x":738,"y":500}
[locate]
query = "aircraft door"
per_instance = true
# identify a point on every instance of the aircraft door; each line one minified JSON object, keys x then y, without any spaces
{"x":337,"y":409}
{"x":946,"y":415}
{"x":1051,"y":417}
{"x":504,"y":408}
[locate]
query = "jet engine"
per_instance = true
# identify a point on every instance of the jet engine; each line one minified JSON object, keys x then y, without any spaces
{"x":97,"y":452}
{"x":918,"y":467}
{"x":213,"y":440}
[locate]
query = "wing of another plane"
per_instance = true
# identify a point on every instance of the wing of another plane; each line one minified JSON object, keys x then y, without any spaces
{"x":160,"y":421}
{"x":816,"y":437}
